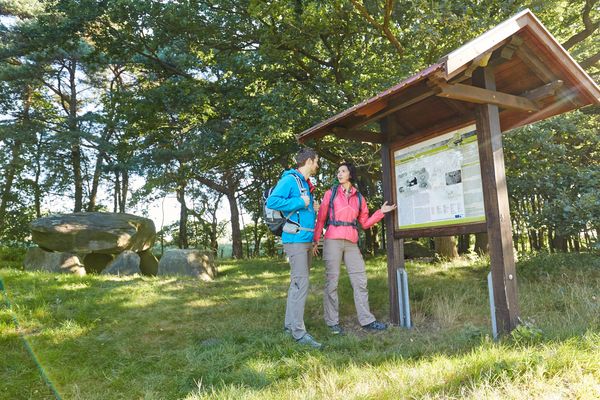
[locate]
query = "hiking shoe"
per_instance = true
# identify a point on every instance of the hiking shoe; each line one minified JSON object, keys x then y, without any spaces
{"x":287,"y":331}
{"x":308,"y":340}
{"x":336,"y":329}
{"x":375,"y":326}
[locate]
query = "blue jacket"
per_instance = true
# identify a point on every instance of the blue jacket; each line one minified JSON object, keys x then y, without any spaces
{"x":285,"y":197}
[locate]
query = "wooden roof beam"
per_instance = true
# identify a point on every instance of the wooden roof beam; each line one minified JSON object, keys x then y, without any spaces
{"x":543,"y":72}
{"x":544,"y":91}
{"x":535,"y":64}
{"x":474,"y":94}
{"x":359,"y":135}
{"x":457,"y":106}
{"x":396,"y":107}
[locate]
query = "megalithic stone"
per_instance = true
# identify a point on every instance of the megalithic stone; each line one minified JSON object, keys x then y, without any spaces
{"x":94,"y":232}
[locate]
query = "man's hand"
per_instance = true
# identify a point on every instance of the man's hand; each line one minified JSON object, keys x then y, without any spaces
{"x":306,"y":200}
{"x":385,"y":208}
{"x":315,"y":249}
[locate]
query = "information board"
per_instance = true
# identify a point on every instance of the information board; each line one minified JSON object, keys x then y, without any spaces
{"x":438,"y":181}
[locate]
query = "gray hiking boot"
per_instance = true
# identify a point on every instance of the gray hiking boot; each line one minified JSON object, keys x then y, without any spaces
{"x":308,"y":340}
{"x":336,"y":329}
{"x":375,"y":326}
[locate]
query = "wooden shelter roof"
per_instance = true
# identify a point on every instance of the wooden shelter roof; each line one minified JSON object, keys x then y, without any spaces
{"x":535,"y":78}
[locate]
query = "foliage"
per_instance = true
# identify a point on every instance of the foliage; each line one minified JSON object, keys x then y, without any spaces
{"x":211,"y":93}
{"x":527,"y":332}
{"x":557,"y":162}
{"x":16,"y":254}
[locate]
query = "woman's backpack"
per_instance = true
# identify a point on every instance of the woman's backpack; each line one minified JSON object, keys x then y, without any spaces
{"x":331,"y":212}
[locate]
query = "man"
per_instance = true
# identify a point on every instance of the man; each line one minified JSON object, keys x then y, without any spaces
{"x":293,"y":194}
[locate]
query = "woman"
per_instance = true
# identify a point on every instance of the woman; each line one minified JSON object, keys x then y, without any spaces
{"x":342,"y":214}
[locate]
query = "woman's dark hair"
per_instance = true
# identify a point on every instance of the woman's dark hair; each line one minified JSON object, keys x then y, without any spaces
{"x":351,"y":169}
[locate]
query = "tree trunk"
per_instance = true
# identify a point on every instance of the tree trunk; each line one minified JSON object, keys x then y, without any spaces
{"x":124,"y":190}
{"x":75,"y":137}
{"x":368,"y":242}
{"x":37,"y":191}
{"x":257,"y":237}
{"x":481,"y":243}
{"x":560,"y":243}
{"x":214,"y":245}
{"x":95,"y":183}
{"x":445,"y":246}
{"x":541,"y":238}
{"x":374,"y":237}
{"x":183,"y":217}
{"x":98,"y":170}
{"x":236,"y":233}
{"x":77,"y":176}
{"x":588,"y":240}
{"x":464,"y":242}
{"x":117,"y":192}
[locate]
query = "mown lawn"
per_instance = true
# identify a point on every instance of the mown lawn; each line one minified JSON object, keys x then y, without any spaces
{"x":100,"y":337}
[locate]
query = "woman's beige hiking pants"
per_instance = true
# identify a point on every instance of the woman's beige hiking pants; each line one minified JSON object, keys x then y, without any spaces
{"x":334,"y":251}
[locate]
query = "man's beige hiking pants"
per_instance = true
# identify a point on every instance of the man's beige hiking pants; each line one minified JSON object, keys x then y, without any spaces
{"x":300,"y":257}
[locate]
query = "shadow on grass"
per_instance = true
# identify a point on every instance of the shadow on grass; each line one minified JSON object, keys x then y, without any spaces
{"x":172,"y":335}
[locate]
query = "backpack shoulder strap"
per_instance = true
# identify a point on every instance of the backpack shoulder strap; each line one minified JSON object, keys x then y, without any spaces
{"x":298,"y":181}
{"x":301,"y":189}
{"x":330,"y":210}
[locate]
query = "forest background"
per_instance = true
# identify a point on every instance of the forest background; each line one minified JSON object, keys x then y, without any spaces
{"x":202,"y":100}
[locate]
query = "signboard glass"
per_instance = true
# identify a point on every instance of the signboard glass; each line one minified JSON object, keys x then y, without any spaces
{"x":438,"y":181}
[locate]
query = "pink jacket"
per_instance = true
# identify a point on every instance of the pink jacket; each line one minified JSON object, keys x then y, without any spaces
{"x":346,"y":210}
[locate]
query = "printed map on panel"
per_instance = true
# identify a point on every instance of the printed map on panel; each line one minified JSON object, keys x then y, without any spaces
{"x":438,"y":182}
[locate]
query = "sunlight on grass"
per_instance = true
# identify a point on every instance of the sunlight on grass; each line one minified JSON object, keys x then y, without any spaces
{"x":76,"y":286}
{"x":495,"y":370}
{"x":68,"y":330}
{"x":137,"y":337}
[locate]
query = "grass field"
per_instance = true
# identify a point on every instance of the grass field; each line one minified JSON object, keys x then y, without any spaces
{"x":99,"y":337}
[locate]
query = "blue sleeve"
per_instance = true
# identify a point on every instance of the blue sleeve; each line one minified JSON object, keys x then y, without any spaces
{"x":285,"y":197}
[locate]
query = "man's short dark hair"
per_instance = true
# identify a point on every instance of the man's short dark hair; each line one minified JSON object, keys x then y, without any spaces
{"x":304,"y":154}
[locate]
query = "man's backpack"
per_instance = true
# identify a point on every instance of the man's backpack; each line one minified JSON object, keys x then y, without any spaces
{"x":331,"y":212}
{"x":275,"y":219}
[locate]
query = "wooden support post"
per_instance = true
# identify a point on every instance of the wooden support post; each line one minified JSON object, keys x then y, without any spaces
{"x":497,"y":213}
{"x":395,"y":247}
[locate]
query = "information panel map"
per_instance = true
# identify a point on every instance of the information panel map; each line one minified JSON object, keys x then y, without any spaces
{"x":438,"y":181}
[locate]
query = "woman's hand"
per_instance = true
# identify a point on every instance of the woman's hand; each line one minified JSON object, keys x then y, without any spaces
{"x":315,"y":249}
{"x":385,"y":208}
{"x":316,"y":205}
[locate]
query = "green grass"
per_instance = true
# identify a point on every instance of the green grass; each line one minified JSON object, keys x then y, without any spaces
{"x":101,"y":337}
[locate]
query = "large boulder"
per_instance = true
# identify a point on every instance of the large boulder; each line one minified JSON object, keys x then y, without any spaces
{"x":126,"y":263}
{"x":148,"y":263}
{"x":93,"y":232}
{"x":37,"y":259}
{"x":188,"y":262}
